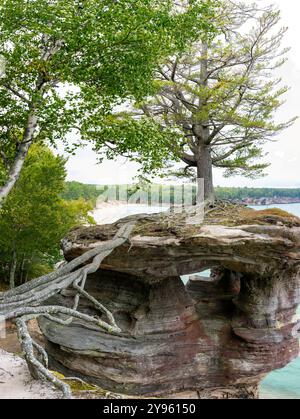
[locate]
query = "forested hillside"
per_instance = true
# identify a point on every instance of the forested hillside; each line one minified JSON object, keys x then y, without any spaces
{"x":155,"y":193}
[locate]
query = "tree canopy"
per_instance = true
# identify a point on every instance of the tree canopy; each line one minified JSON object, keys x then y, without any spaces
{"x":215,"y":104}
{"x":64,"y":63}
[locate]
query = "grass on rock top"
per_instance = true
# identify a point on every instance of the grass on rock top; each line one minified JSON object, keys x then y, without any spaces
{"x":174,"y":224}
{"x":235,"y":215}
{"x":222,"y":213}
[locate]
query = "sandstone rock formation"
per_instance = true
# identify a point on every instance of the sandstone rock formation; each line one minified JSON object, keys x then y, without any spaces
{"x":214,"y":337}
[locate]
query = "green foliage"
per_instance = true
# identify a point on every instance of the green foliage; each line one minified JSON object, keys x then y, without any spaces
{"x":221,"y":94}
{"x":76,"y":190}
{"x":69,"y":61}
{"x":256,"y":193}
{"x":34,"y":218}
{"x":141,"y":140}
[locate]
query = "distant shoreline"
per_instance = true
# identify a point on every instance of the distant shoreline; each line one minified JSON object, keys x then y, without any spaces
{"x":267,"y":201}
{"x":175,"y":193}
{"x":246,"y":201}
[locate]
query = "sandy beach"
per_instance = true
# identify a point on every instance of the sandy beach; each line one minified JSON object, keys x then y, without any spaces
{"x":16,"y":382}
{"x":109,"y":212}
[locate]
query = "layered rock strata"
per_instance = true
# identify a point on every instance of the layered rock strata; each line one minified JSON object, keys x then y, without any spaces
{"x":213,"y":337}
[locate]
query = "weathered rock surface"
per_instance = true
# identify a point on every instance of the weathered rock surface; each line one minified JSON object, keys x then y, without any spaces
{"x":215,"y":337}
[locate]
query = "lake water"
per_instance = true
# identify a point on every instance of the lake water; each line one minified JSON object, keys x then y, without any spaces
{"x":280,"y":384}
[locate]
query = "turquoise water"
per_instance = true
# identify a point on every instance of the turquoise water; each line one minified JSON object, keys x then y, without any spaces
{"x":284,"y":383}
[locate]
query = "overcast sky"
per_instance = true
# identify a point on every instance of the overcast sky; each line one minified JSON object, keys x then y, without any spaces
{"x":284,"y":154}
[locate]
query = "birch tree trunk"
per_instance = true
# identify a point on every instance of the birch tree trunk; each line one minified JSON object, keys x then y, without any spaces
{"x":31,"y":126}
{"x":15,"y":170}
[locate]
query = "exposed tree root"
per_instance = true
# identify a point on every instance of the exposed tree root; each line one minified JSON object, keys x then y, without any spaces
{"x":37,"y":369}
{"x":26,"y":302}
